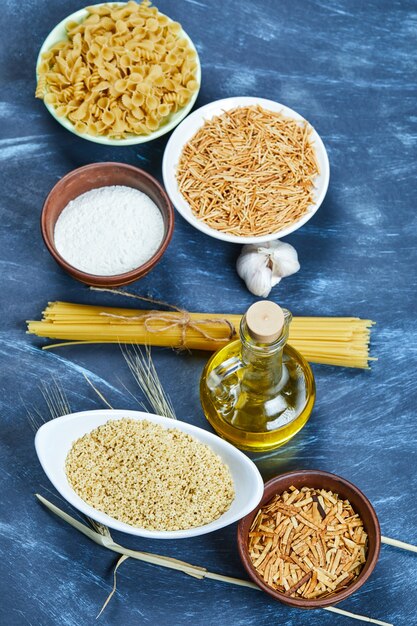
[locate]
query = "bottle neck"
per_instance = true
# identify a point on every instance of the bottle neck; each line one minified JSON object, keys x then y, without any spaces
{"x":264,"y":360}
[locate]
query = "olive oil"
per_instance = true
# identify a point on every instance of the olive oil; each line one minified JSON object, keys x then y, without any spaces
{"x":258,"y":392}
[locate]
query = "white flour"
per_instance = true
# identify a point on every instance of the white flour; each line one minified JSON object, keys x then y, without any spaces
{"x":109,"y":230}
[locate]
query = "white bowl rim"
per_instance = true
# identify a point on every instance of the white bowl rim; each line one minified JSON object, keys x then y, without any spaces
{"x":182,"y":134}
{"x":55,"y":35}
{"x":101,"y":416}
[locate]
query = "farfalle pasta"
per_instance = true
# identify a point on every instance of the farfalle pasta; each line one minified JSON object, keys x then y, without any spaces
{"x":120,"y":72}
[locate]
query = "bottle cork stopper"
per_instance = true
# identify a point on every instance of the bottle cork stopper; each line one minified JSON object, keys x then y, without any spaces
{"x":265,"y":321}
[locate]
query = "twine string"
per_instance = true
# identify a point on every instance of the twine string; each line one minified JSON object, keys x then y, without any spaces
{"x":181,"y":320}
{"x":127,"y":294}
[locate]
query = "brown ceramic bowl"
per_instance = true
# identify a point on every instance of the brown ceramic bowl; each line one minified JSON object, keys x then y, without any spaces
{"x":318,"y":480}
{"x":102,"y":175}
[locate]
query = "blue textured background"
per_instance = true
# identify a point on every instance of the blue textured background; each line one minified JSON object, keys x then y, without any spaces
{"x":348,"y":68}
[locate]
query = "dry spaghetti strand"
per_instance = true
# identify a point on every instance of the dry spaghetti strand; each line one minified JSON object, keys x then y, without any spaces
{"x":249,"y":171}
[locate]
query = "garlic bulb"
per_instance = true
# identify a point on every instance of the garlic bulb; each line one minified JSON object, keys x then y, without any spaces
{"x":262,"y":266}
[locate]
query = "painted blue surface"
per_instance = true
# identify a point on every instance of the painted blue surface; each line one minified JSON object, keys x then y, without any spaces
{"x":348,"y":68}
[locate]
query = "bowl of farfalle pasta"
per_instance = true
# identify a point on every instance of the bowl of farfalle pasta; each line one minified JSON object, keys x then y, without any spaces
{"x":118,"y":73}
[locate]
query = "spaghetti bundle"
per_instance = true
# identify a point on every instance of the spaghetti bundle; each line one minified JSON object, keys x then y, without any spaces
{"x":340,"y":341}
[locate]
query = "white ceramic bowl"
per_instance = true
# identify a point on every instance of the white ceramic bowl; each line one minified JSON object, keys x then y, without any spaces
{"x":54,"y":439}
{"x":185,"y":131}
{"x":59,"y":33}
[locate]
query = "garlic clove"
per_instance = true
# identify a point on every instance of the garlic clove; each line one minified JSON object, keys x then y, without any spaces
{"x":253,"y":269}
{"x":260,"y":283}
{"x":249,"y":261}
{"x":263,"y":266}
{"x":284,"y":259}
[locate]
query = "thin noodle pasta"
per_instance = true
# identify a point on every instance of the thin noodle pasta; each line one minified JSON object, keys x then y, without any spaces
{"x":248,"y":171}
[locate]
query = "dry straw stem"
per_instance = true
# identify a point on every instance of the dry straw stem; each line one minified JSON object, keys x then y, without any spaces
{"x":55,"y":400}
{"x":100,"y":395}
{"x":399,"y":544}
{"x":249,"y":171}
{"x":192,"y":570}
{"x":342,"y":341}
{"x":121,"y":560}
{"x":144,"y":372}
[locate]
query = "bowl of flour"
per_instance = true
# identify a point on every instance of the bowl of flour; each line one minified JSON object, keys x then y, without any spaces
{"x":107,"y":224}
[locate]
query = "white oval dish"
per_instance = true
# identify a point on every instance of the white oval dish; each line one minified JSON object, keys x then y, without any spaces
{"x":187,"y":129}
{"x":54,"y":439}
{"x":59,"y":33}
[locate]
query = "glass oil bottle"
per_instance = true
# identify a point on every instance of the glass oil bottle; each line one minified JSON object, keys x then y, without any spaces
{"x":258,"y":392}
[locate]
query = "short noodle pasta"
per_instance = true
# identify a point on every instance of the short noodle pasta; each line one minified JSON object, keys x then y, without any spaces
{"x":249,"y":171}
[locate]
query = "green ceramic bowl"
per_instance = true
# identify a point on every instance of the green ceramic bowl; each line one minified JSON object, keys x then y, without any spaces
{"x":58,"y":34}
